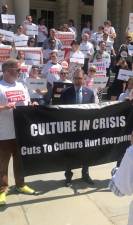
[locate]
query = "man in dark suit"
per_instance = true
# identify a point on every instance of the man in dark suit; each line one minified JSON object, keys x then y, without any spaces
{"x":78,"y":94}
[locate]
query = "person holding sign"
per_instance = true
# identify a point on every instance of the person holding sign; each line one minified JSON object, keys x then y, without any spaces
{"x":20,"y":39}
{"x":118,"y":86}
{"x":78,"y":94}
{"x":87,"y":48}
{"x":30,"y":28}
{"x":76,"y":58}
{"x":12,"y":94}
{"x":52,"y":35}
{"x":4,"y":26}
{"x":36,"y":86}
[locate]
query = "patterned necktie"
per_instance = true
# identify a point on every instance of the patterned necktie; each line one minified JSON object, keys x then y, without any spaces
{"x":79,"y":96}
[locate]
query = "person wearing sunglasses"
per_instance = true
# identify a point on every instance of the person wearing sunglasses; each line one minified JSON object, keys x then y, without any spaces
{"x":64,"y":76}
{"x":12,"y":94}
{"x":77,"y":94}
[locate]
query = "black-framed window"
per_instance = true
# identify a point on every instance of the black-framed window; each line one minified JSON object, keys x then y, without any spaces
{"x":84,"y":19}
{"x":33,"y":13}
{"x":88,"y":2}
{"x":49,"y":17}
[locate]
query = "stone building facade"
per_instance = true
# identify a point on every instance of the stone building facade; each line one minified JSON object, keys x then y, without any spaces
{"x":57,"y":12}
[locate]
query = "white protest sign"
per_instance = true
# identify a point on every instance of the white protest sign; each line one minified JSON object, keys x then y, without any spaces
{"x":100,"y":68}
{"x":7,"y":35}
{"x":100,"y":82}
{"x":31,"y":30}
{"x":66,"y":38}
{"x":130,"y":50}
{"x":33,"y":55}
{"x":20,"y":40}
{"x":130,"y":26}
{"x":8,"y":19}
{"x":34,"y":84}
{"x":77,"y":57}
{"x":124,"y":74}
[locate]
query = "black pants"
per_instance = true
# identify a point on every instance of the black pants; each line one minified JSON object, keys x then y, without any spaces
{"x":69,"y":173}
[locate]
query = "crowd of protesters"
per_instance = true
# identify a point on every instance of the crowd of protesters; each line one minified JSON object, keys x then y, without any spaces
{"x":78,"y":65}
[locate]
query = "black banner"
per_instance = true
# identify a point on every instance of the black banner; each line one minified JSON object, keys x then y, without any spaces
{"x":51,"y":138}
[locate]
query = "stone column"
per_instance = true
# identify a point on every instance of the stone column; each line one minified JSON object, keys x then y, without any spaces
{"x":100,"y":13}
{"x":22,"y":8}
{"x":73,"y":11}
{"x":62,"y":11}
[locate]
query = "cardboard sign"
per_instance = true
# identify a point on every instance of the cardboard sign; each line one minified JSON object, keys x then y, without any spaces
{"x":34,"y":84}
{"x":8,"y":19}
{"x":66,"y":38}
{"x":125,"y":74}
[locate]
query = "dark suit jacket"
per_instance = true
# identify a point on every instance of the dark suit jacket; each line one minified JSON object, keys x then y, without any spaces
{"x":68,"y":96}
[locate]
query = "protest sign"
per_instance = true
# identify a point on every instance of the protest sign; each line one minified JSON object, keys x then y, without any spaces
{"x":130,"y":49}
{"x":66,"y":38}
{"x":20,"y":40}
{"x":51,"y":137}
{"x":34,"y":84}
{"x":4,"y":55}
{"x":7,"y":35}
{"x":124,"y":74}
{"x":33,"y":55}
{"x":8,"y":19}
{"x":100,"y":68}
{"x":31,"y":30}
{"x":100,"y":82}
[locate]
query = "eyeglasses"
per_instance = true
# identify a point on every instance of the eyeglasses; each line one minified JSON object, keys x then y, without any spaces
{"x":32,"y":41}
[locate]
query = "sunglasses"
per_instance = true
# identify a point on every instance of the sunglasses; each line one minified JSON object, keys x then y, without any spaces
{"x":64,"y":73}
{"x":92,"y":71}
